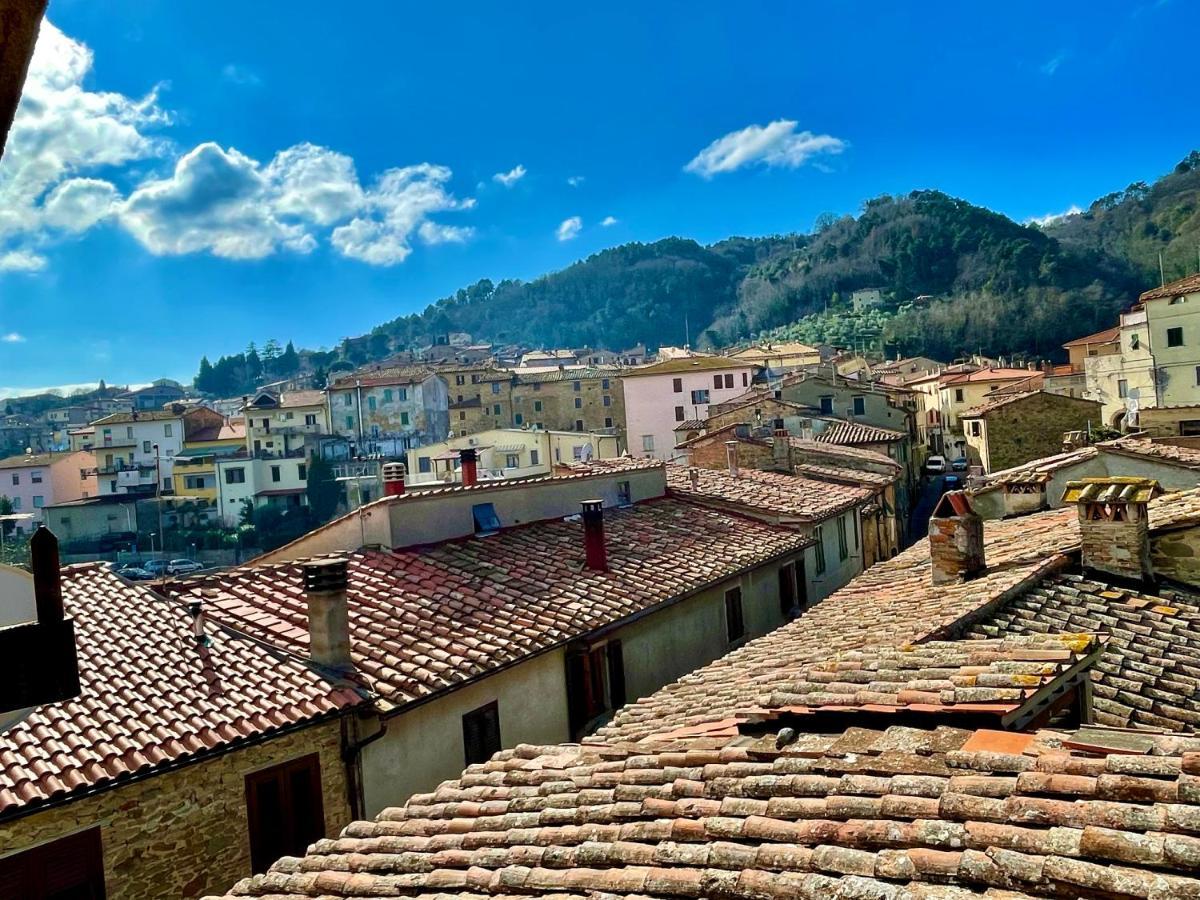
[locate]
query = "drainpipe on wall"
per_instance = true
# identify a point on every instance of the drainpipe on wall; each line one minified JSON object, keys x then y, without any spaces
{"x":352,"y":759}
{"x":358,"y":410}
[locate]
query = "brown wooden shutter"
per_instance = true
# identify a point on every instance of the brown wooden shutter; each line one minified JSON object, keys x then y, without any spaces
{"x":616,"y":674}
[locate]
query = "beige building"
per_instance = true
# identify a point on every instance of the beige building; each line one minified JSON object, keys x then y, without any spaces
{"x":508,"y":453}
{"x":783,"y":356}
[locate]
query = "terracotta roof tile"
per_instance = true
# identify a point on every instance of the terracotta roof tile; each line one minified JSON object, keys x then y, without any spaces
{"x":151,"y":695}
{"x":851,"y":433}
{"x":471,"y":605}
{"x":847,"y":452}
{"x":843,"y":816}
{"x":1188,"y":285}
{"x":775,"y":493}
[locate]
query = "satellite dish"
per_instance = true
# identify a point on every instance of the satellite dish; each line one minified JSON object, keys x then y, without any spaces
{"x":586,"y":453}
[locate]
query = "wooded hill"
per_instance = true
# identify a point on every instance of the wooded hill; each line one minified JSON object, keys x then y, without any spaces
{"x":997,"y":285}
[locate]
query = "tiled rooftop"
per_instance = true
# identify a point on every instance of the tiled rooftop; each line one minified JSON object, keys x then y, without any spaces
{"x":858,"y":433}
{"x":841,"y":475}
{"x":1188,"y":285}
{"x":579,"y":373}
{"x":381,"y":376}
{"x":894,"y":814}
{"x":151,"y":696}
{"x":847,"y":452}
{"x":995,"y":403}
{"x":774,"y":493}
{"x":428,"y":619}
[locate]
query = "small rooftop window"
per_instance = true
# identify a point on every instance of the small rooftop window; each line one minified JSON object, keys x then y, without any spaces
{"x":486,"y":520}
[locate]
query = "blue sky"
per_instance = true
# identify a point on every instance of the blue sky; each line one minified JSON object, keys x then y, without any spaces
{"x":186,"y":177}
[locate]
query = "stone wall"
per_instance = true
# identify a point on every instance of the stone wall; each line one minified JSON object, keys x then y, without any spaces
{"x":184,"y":833}
{"x":955,"y":547}
{"x":1116,"y":548}
{"x":710,"y":454}
{"x":1033,"y":428}
{"x":1176,"y":555}
{"x":558,"y":411}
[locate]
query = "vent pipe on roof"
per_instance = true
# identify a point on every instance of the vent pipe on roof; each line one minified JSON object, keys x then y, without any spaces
{"x":393,"y":479}
{"x":694,"y":478}
{"x":469,"y":458}
{"x":328,"y":614}
{"x":595,"y":551}
{"x":47,"y":581}
{"x":731,"y":457}
{"x":955,"y":539}
{"x":199,"y":619}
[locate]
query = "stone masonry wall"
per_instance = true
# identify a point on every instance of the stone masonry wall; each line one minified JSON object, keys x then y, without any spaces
{"x":1116,"y":548}
{"x":557,"y":401}
{"x":1033,"y":428}
{"x":711,"y":455}
{"x":184,"y":833}
{"x":1176,"y":555}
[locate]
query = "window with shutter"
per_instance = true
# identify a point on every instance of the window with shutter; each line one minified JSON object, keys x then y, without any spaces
{"x":71,"y":868}
{"x":734,"y":623}
{"x":595,"y":686}
{"x":285,"y":810}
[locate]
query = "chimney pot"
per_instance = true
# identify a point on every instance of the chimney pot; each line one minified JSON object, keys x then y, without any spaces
{"x":731,"y":456}
{"x":694,"y":478}
{"x":469,"y":459}
{"x":393,"y":479}
{"x":1114,"y":525}
{"x":955,"y":539}
{"x":47,"y":579}
{"x":328,"y":615}
{"x":595,"y":550}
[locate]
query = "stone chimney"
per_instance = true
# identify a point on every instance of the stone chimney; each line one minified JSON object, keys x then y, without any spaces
{"x":469,"y":458}
{"x":595,"y":551}
{"x":393,"y":479}
{"x":731,"y":457}
{"x":955,"y":539}
{"x":1114,"y":524}
{"x":781,"y":450}
{"x":694,"y":478}
{"x":328,"y":616}
{"x":1024,"y":494}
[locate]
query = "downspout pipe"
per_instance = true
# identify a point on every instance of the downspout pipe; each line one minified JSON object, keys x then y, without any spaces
{"x":352,"y":759}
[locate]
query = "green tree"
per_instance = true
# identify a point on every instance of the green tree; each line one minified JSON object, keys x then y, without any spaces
{"x":6,"y":509}
{"x":205,"y":380}
{"x":288,"y":363}
{"x":322,"y":489}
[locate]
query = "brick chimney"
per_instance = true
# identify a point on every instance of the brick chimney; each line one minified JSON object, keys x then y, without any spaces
{"x":955,"y":539}
{"x":1024,"y":494}
{"x":781,"y":450}
{"x":328,"y":616}
{"x":1114,"y":524}
{"x":393,"y":479}
{"x":731,"y":456}
{"x":595,"y":551}
{"x":469,"y":458}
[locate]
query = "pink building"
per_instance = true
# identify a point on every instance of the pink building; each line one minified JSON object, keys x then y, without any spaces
{"x":37,"y":480}
{"x":660,"y":396}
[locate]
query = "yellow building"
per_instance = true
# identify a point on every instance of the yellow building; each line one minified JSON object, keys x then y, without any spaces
{"x":195,"y":473}
{"x":777,"y":356}
{"x":509,"y":453}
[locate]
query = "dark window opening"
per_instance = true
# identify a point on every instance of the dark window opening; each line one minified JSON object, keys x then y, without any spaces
{"x":595,"y":686}
{"x":735,"y":624}
{"x":70,"y":868}
{"x":481,"y":733}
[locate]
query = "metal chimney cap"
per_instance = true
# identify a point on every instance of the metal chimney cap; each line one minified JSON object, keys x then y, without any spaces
{"x":325,"y":575}
{"x":592,"y":506}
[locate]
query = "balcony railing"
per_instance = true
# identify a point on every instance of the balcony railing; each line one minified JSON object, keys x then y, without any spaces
{"x":117,"y":468}
{"x":279,"y":454}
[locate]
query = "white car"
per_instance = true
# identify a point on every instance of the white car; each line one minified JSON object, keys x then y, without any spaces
{"x":183,"y":567}
{"x":935,"y":465}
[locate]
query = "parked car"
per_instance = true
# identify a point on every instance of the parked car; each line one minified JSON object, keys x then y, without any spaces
{"x":183,"y":567}
{"x":959,"y":465}
{"x":935,"y":465}
{"x":952,"y":482}
{"x":136,"y":574}
{"x":156,"y":567}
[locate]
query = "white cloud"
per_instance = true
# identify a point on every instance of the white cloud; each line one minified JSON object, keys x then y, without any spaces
{"x":211,"y":199}
{"x":216,"y":201}
{"x":1050,"y":66}
{"x":576,"y":180}
{"x":511,"y":177}
{"x":60,"y":130}
{"x":12,"y":337}
{"x":21,"y":261}
{"x":241,"y":75}
{"x":776,"y":144}
{"x":608,"y":221}
{"x":1051,"y":218}
{"x":570,"y":228}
